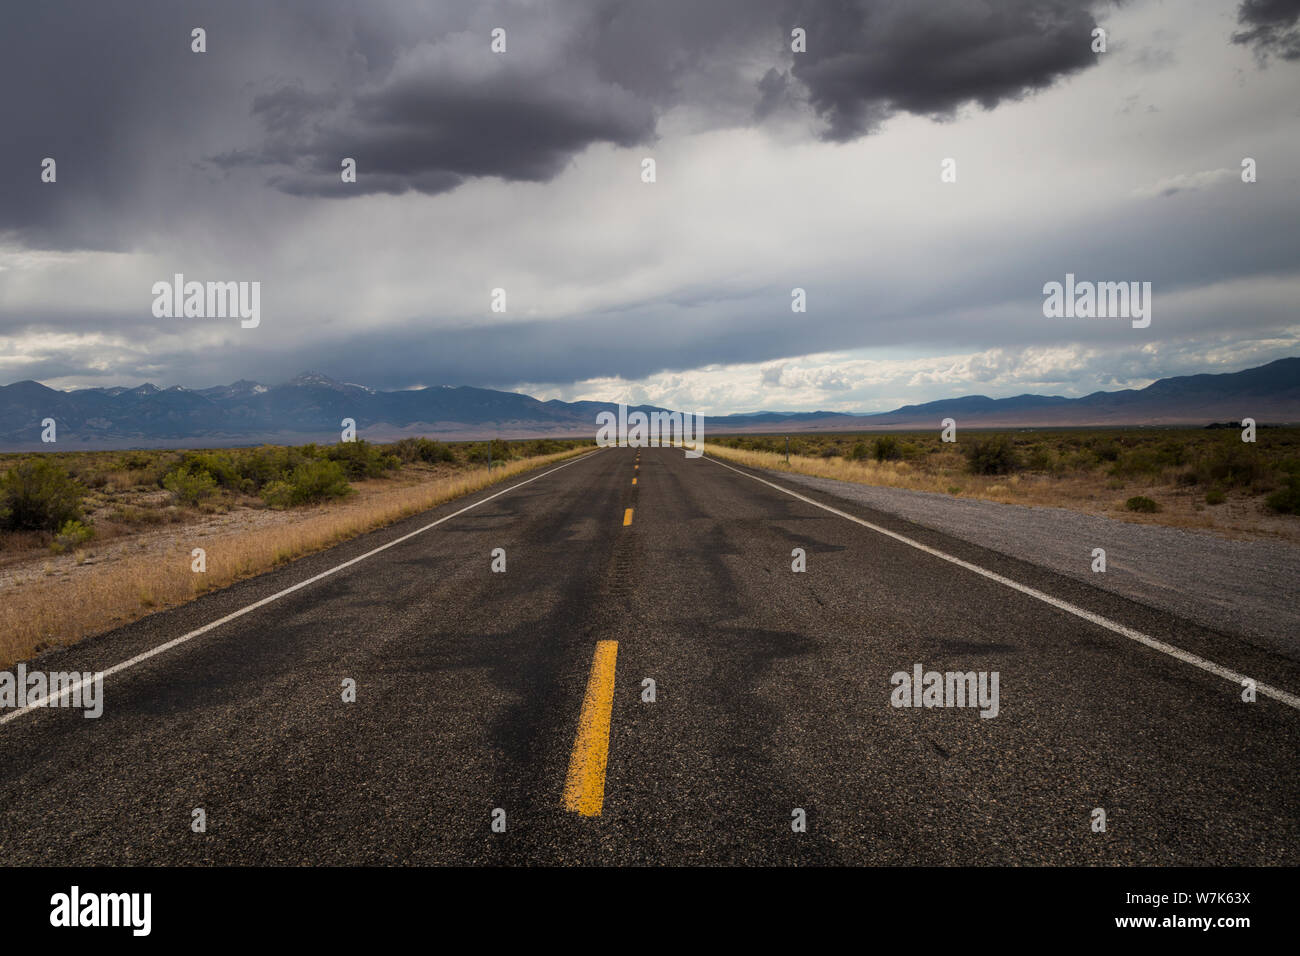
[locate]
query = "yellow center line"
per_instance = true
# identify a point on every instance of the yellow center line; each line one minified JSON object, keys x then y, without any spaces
{"x":634,"y":481}
{"x":584,"y":789}
{"x":627,"y":517}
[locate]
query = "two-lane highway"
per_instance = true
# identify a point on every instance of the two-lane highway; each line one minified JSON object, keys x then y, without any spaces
{"x":487,"y":696}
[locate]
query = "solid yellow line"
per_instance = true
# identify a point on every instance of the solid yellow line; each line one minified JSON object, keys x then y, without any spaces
{"x":584,"y":789}
{"x":627,"y":517}
{"x":634,"y":481}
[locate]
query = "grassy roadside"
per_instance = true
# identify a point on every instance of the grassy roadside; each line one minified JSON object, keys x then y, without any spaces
{"x":1189,"y":478}
{"x":39,"y":614}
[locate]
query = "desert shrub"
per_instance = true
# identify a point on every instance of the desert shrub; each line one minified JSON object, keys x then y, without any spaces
{"x":39,"y":496}
{"x":1215,"y":496}
{"x":1106,"y":449}
{"x":477,"y":453}
{"x":406,"y":449}
{"x":360,"y":459}
{"x":886,"y":448}
{"x":1287,"y":500}
{"x":1142,"y":504}
{"x":858,"y":452}
{"x":1136,"y":463}
{"x":261,"y":466}
{"x":549,"y":446}
{"x":144,"y":467}
{"x":222,"y":469}
{"x":1082,"y":459}
{"x":995,"y":455}
{"x":136,"y":460}
{"x":1172,"y":453}
{"x":189,"y":487}
{"x":310,"y":482}
{"x":422,"y":449}
{"x":1040,"y":459}
{"x":71,"y":534}
{"x":1233,"y":465}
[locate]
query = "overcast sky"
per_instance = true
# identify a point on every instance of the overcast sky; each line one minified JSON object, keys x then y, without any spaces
{"x":522,"y":170}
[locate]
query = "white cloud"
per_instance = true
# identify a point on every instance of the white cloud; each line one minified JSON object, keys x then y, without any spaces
{"x":1186,"y":182}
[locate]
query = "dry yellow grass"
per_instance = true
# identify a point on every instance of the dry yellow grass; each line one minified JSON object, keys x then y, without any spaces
{"x":40,"y":614}
{"x":889,"y":474}
{"x":1093,"y":493}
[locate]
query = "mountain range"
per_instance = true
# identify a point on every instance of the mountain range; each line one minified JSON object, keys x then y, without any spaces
{"x":311,"y":407}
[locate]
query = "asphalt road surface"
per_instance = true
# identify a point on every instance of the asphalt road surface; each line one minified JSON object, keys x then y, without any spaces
{"x":519,"y":696}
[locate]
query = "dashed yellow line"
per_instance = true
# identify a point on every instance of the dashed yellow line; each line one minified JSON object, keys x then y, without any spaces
{"x":584,"y":788}
{"x":634,"y":481}
{"x":627,"y":517}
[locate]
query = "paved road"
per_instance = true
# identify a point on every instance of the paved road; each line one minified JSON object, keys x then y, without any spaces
{"x":773,"y":693}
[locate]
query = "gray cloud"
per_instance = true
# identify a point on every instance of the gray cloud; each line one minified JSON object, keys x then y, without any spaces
{"x":1272,"y":27}
{"x":443,"y":115}
{"x":868,"y":61}
{"x":411,"y":91}
{"x":450,"y":112}
{"x":946,"y":298}
{"x":775,"y":93}
{"x":117,"y":97}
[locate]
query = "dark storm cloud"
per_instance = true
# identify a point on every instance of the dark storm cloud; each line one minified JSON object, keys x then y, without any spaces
{"x":76,"y":84}
{"x":441,"y":117}
{"x":445,"y":108}
{"x":774,"y":90}
{"x":414,"y":94}
{"x":867,"y":61}
{"x":114,"y":94}
{"x":1271,"y":27}
{"x":429,"y":127}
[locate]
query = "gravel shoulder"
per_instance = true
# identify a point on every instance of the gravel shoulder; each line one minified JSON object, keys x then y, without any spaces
{"x":1245,"y":588}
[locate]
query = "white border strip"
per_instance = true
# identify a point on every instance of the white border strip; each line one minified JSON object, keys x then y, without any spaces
{"x":139,"y":658}
{"x":1291,"y":700}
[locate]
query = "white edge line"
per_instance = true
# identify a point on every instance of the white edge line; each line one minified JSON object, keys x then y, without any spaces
{"x":1291,"y":700}
{"x":44,"y":701}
